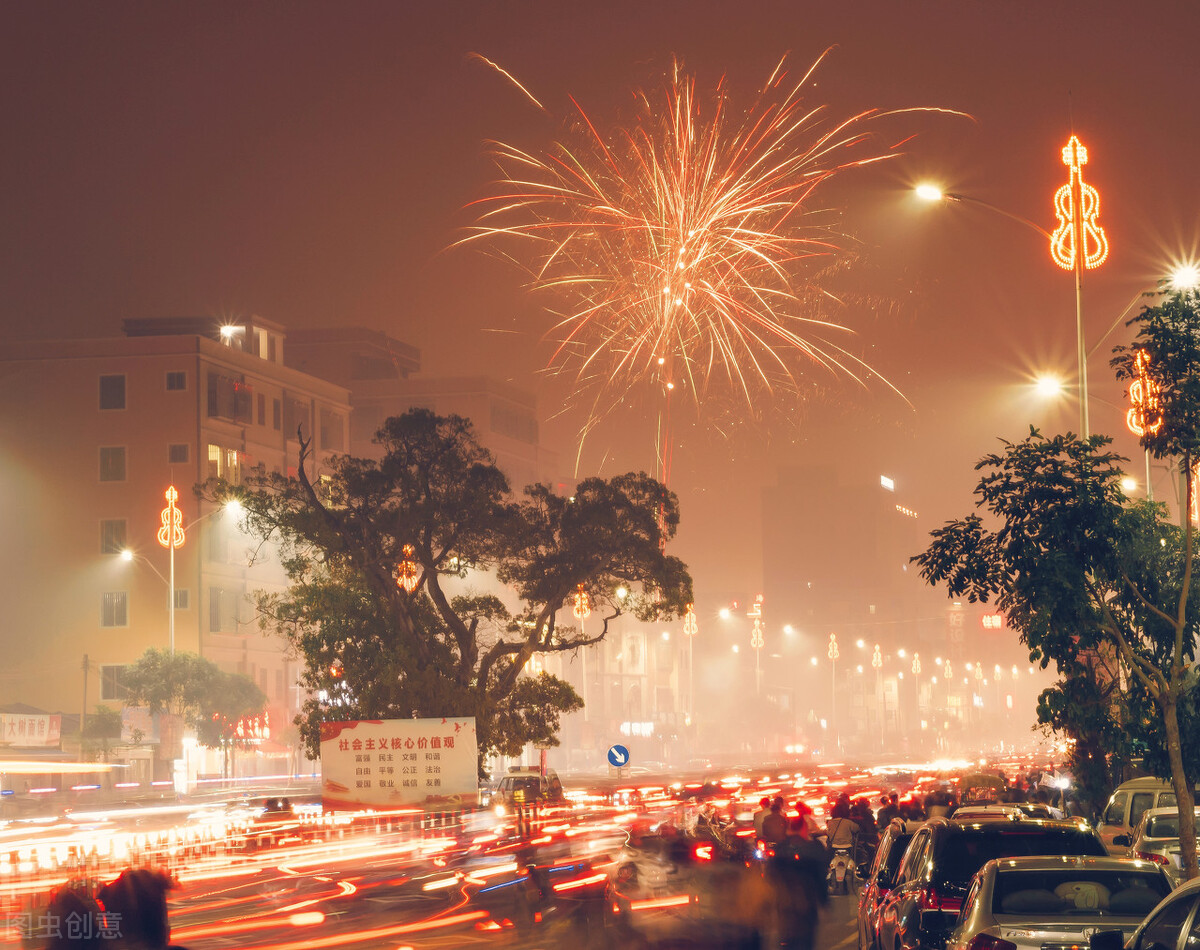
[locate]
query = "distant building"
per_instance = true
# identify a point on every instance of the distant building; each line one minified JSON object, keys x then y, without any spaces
{"x":92,"y":432}
{"x":379,"y":373}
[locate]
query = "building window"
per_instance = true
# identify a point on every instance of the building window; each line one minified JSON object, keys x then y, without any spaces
{"x":224,"y":610}
{"x":276,"y":415}
{"x":229,"y":398}
{"x":176,"y":381}
{"x":332,"y":429}
{"x":112,"y":683}
{"x":112,"y":536}
{"x":177,"y":453}
{"x":114,"y":609}
{"x":262,"y":409}
{"x":182,"y":600}
{"x":112,"y":392}
{"x":112,"y":463}
{"x":223,"y":463}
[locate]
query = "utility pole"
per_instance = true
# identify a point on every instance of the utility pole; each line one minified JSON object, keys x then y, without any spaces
{"x":83,"y":708}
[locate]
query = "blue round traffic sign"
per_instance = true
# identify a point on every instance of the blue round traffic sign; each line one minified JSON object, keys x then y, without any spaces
{"x":618,"y":756}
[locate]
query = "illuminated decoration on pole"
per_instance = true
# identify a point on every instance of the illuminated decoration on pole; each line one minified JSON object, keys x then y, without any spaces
{"x":756,"y":635}
{"x":756,"y":610}
{"x":689,"y":621}
{"x":407,"y":574}
{"x":1076,"y":243}
{"x":877,"y":657}
{"x":1195,"y":506}
{"x":1145,"y":415}
{"x":171,"y":536}
{"x":690,"y":628}
{"x":833,"y":652}
{"x":1077,"y":205}
{"x":916,"y":666}
{"x":978,"y":671}
{"x":583,"y":604}
{"x":948,"y":670}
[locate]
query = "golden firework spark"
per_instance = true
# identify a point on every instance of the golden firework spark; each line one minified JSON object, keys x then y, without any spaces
{"x":683,"y":246}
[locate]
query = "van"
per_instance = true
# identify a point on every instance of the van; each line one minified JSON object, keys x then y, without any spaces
{"x":1126,"y":807}
{"x":527,"y":786}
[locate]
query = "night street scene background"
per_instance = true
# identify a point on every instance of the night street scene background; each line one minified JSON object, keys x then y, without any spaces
{"x":794,"y":261}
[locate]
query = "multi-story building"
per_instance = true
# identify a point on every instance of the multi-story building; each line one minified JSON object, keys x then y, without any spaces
{"x":92,"y":433}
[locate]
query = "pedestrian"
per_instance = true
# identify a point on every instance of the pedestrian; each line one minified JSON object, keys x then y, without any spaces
{"x":889,"y":809}
{"x":135,"y":910}
{"x":764,"y":809}
{"x":72,"y":921}
{"x":797,"y":877}
{"x":775,"y":825}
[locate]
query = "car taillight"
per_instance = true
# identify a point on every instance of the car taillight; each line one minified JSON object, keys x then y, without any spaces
{"x":989,"y":942}
{"x":931,"y":899}
{"x":1151,"y":856}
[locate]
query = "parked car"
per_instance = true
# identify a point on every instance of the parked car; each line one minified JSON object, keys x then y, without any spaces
{"x":1005,"y":810}
{"x":1031,"y":903}
{"x":1172,"y":925}
{"x":877,"y":879}
{"x":1156,"y":838}
{"x":945,"y":855}
{"x":1128,"y":803}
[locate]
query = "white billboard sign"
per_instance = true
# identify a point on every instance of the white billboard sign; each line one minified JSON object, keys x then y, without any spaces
{"x":399,"y":763}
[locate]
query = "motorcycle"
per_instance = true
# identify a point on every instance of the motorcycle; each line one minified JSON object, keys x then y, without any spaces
{"x":842,"y":877}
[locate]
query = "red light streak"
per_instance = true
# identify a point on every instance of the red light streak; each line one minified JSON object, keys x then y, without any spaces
{"x":652,"y":903}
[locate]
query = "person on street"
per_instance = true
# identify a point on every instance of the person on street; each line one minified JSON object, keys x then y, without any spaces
{"x":888,"y":810}
{"x":797,"y":877}
{"x":764,"y":809}
{"x":775,"y":825}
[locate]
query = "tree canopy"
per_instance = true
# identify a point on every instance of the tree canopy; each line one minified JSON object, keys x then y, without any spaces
{"x":435,"y":510}
{"x":208,"y":699}
{"x":1101,"y":586}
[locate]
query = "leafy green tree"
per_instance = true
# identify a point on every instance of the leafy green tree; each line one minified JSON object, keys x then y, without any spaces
{"x":433,"y":508}
{"x":103,"y":728}
{"x":205,"y":697}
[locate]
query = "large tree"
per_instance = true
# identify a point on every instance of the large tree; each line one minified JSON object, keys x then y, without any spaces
{"x":1091,"y":582}
{"x":1100,"y":586}
{"x":435,"y":510}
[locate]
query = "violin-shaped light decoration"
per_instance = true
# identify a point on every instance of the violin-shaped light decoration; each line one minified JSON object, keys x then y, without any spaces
{"x":1077,"y":205}
{"x":170,"y":535}
{"x":689,"y":621}
{"x":1145,"y":415}
{"x":407,"y":573}
{"x":756,"y":635}
{"x":583,"y":604}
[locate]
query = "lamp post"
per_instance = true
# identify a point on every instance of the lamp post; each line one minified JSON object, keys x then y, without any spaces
{"x":582,"y":609}
{"x":690,"y":629}
{"x":757,"y":640}
{"x":1078,"y":243}
{"x":833,"y":653}
{"x":877,"y":664}
{"x":171,"y":536}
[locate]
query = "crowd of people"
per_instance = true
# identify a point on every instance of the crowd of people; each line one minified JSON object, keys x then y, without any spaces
{"x":129,"y":913}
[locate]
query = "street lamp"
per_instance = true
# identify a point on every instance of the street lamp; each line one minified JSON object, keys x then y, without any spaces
{"x":1077,"y":243}
{"x":172,"y":535}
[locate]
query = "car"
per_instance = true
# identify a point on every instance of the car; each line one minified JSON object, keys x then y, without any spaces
{"x":945,"y":855}
{"x":1128,"y":803}
{"x":878,"y":877}
{"x":1173,"y":925}
{"x":1036,"y":902}
{"x":1156,"y":838}
{"x":1005,"y":810}
{"x":527,"y":786}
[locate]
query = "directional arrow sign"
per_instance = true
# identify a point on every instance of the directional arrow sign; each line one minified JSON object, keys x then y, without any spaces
{"x":618,"y":756}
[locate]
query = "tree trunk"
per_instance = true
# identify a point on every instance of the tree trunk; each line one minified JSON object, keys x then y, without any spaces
{"x":1184,"y":796}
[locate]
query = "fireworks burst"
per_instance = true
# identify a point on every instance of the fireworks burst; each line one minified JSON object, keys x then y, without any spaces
{"x":684,"y":246}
